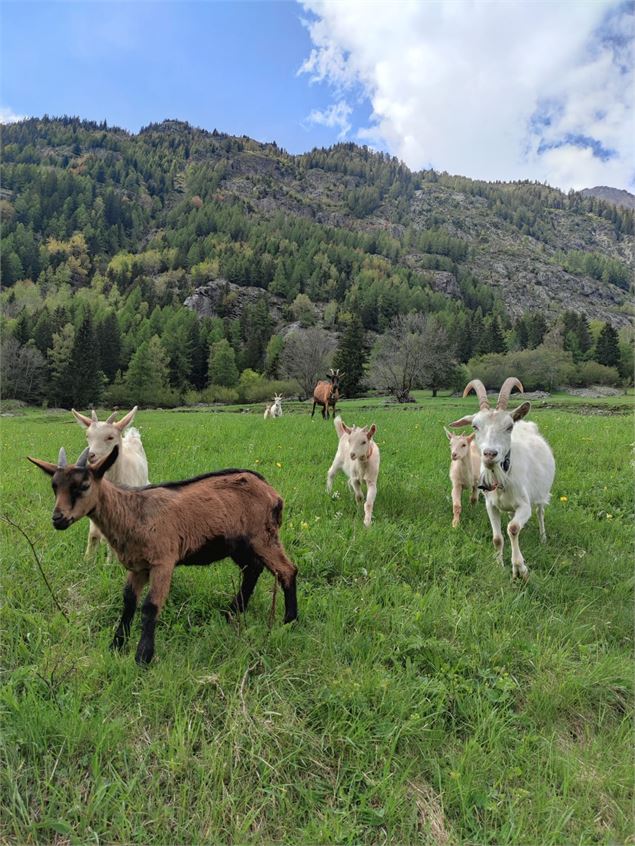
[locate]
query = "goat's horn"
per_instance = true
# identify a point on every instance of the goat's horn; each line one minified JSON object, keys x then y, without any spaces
{"x":83,"y":458}
{"x":479,"y":389}
{"x":61,"y":458}
{"x":93,"y":416}
{"x":112,"y":417}
{"x":508,"y":386}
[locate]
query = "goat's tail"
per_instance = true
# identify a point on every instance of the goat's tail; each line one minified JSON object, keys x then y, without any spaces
{"x":339,"y":426}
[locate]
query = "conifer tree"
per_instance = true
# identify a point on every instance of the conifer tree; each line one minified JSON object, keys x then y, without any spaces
{"x":222,"y":365}
{"x":351,"y":357}
{"x":607,"y":349}
{"x":147,"y":378}
{"x":86,"y":377}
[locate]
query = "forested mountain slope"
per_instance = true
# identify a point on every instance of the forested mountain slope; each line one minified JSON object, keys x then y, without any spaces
{"x":126,"y":227}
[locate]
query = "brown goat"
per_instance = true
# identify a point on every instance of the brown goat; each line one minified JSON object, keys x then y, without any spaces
{"x":229,"y":513}
{"x":327,"y":394}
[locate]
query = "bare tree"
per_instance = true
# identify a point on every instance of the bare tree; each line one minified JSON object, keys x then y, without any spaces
{"x":414,"y":353}
{"x":22,"y":371}
{"x":306,"y":356}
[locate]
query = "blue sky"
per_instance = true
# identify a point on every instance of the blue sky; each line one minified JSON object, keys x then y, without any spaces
{"x":230,"y":66}
{"x":538,"y":89}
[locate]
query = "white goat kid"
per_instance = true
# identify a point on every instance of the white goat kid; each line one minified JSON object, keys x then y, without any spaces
{"x":464,"y":470}
{"x":131,"y":468}
{"x":357,"y":456}
{"x":275,"y":408}
{"x":517,"y":467}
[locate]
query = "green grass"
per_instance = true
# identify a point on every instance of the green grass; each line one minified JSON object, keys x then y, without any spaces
{"x":421,"y":698}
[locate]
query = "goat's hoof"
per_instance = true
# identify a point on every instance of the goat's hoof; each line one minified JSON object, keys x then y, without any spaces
{"x":455,"y":522}
{"x":117,"y":643}
{"x":519,"y":571}
{"x":144,"y":656}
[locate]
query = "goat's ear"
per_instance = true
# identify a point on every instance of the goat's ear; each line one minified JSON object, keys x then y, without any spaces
{"x":471,"y":437}
{"x":46,"y":466}
{"x":464,"y":421}
{"x":371,"y":432}
{"x":347,"y":429}
{"x":103,"y":465}
{"x":127,"y":420}
{"x":83,"y":421}
{"x":448,"y":433}
{"x":521,"y":411}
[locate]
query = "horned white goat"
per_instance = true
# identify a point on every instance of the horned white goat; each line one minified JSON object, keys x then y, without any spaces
{"x":130,"y":469}
{"x":274,"y":409}
{"x":358,"y":456}
{"x":517,"y":466}
{"x":465,"y":469}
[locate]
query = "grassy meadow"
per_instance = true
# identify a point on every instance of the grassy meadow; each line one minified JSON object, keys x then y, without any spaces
{"x":422,"y":697}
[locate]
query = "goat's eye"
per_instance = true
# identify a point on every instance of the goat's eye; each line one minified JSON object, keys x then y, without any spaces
{"x":475,"y":427}
{"x":509,"y":428}
{"x":110,"y":438}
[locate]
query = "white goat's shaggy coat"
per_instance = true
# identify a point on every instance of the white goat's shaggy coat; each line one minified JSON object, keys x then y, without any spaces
{"x":517,"y":467}
{"x":274,"y":409}
{"x":358,"y":457}
{"x":465,"y":470}
{"x":130,"y":468}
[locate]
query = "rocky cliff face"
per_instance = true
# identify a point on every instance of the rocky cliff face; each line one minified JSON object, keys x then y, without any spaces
{"x":617,"y":196}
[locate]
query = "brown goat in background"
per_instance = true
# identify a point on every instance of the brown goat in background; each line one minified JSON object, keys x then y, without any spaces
{"x":229,"y":513}
{"x":327,"y":394}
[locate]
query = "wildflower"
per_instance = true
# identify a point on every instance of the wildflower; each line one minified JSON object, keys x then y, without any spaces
{"x":564,"y":499}
{"x":278,"y":464}
{"x":304,"y":525}
{"x":609,"y":516}
{"x":335,"y":495}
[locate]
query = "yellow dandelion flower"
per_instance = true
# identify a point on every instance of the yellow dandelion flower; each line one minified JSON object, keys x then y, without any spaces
{"x":609,"y":516}
{"x":278,"y":464}
{"x":564,"y":499}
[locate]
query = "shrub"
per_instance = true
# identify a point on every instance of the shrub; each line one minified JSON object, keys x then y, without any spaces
{"x":593,"y":373}
{"x":539,"y":369}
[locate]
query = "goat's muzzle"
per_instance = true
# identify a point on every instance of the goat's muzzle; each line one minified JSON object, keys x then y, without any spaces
{"x":61,"y":522}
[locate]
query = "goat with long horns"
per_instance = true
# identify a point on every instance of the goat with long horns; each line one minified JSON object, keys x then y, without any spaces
{"x":517,"y":466}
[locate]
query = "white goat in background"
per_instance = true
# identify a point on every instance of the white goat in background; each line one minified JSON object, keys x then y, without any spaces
{"x":274,"y":409}
{"x":464,"y":470}
{"x":131,"y":468}
{"x":358,"y":456}
{"x":517,"y":467}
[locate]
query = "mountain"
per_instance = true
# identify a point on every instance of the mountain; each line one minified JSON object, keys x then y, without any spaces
{"x":126,"y":192}
{"x":125,"y":236}
{"x":617,"y":196}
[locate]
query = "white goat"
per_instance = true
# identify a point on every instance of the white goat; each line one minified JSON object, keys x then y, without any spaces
{"x":358,"y":456}
{"x":517,"y":467}
{"x":464,"y":470}
{"x":130,"y":469}
{"x":274,"y":409}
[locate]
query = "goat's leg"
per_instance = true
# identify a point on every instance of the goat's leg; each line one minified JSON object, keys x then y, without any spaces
{"x":313,"y":412}
{"x":160,"y":580}
{"x":335,"y":466}
{"x":540,"y":513}
{"x":275,"y":560}
{"x":521,"y":515}
{"x":474,"y":494}
{"x":495,"y":522}
{"x":131,"y":593}
{"x":251,"y":571}
{"x":371,"y":493}
{"x":456,"y":505}
{"x":94,"y":536}
{"x":357,"y":489}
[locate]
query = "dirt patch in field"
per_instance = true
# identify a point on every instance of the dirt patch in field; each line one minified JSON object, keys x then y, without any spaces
{"x":430,"y":812}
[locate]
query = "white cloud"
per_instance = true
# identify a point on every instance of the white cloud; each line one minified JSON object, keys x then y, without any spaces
{"x":7,"y":115}
{"x":336,"y":116}
{"x":491,"y":89}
